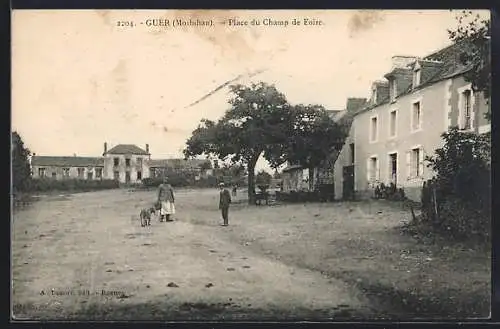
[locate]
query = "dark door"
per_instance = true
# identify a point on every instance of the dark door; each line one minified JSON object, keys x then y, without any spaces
{"x":394,"y":168}
{"x":348,"y":183}
{"x":127,"y":177}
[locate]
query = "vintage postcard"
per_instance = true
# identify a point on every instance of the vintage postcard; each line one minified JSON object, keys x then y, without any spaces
{"x":251,"y":165}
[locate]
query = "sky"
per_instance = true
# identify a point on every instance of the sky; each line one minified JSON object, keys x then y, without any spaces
{"x":79,"y":80}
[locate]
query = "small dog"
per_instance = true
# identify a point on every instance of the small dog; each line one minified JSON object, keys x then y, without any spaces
{"x":145,"y":216}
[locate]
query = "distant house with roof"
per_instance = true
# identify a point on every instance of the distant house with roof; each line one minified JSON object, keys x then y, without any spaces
{"x":297,"y":178}
{"x":420,"y":99}
{"x":126,"y":163}
{"x":61,"y":167}
{"x":161,"y":167}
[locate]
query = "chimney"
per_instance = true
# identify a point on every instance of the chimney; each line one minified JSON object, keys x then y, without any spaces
{"x":354,"y":104}
{"x":401,"y":62}
{"x":147,"y":148}
{"x":105,"y":147}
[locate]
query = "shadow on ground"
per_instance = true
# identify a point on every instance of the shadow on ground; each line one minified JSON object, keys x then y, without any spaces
{"x":166,"y":311}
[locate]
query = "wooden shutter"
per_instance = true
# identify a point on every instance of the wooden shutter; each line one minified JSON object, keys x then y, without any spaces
{"x":377,"y":170}
{"x":421,"y":162}
{"x":408,"y":164}
{"x":472,"y":112}
{"x":368,"y":169}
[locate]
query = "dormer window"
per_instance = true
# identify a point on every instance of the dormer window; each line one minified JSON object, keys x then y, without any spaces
{"x":393,"y":90}
{"x":417,"y":72}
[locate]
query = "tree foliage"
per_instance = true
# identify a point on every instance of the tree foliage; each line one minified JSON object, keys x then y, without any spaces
{"x":262,"y":122}
{"x":458,"y":198}
{"x":474,"y":34}
{"x":462,"y":164}
{"x":21,"y":170}
{"x":315,"y":136}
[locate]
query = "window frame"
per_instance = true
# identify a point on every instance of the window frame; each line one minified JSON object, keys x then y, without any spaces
{"x":417,"y":75}
{"x":376,"y":177}
{"x":393,"y":110}
{"x":375,"y":140}
{"x":461,"y":91}
{"x":389,"y":166}
{"x":420,"y":117}
{"x":393,"y":90}
{"x":419,"y":163}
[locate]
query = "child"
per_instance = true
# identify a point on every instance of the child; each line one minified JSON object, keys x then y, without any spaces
{"x":224,"y":202}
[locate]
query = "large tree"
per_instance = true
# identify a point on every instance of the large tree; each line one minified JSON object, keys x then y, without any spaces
{"x":21,"y":169}
{"x":315,"y":137}
{"x":256,"y":123}
{"x":474,"y":34}
{"x":262,"y":122}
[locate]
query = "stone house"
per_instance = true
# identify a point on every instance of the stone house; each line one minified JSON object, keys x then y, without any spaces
{"x":403,"y":122}
{"x":126,"y":163}
{"x":63,"y":167}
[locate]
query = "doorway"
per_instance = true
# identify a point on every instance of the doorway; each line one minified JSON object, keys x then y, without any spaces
{"x":348,"y":183}
{"x":393,"y":168}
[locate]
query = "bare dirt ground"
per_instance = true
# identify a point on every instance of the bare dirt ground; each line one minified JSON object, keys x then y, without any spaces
{"x":85,"y":256}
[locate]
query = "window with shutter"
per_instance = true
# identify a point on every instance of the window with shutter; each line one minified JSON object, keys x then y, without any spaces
{"x":465,"y":108}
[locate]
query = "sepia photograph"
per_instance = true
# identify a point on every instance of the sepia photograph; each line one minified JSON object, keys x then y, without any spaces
{"x":250,"y":165}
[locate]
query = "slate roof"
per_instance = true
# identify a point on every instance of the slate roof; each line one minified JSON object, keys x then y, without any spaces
{"x":66,"y":161}
{"x":176,"y":163}
{"x":448,"y":67}
{"x":127,"y":149}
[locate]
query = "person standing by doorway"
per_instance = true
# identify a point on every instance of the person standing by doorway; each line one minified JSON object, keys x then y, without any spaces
{"x":224,"y":202}
{"x":166,"y":200}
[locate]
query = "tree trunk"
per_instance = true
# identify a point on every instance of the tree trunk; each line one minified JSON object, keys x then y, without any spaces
{"x":251,"y":179}
{"x":311,"y":179}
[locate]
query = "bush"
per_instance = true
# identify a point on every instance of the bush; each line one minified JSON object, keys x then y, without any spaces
{"x":179,"y":180}
{"x":47,"y":185}
{"x":462,"y":220}
{"x":458,"y":199}
{"x":298,"y":196}
{"x":389,"y":192}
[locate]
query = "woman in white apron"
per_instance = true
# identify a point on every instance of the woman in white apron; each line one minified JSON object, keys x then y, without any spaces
{"x":166,"y":200}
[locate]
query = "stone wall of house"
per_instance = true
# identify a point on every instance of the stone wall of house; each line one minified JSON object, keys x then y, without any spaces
{"x":137,"y":168}
{"x":439,"y":104}
{"x":61,"y":172}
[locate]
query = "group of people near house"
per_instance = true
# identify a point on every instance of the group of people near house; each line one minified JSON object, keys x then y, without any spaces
{"x":166,"y":202}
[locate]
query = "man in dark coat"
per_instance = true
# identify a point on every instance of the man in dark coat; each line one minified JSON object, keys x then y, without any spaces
{"x":224,"y":202}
